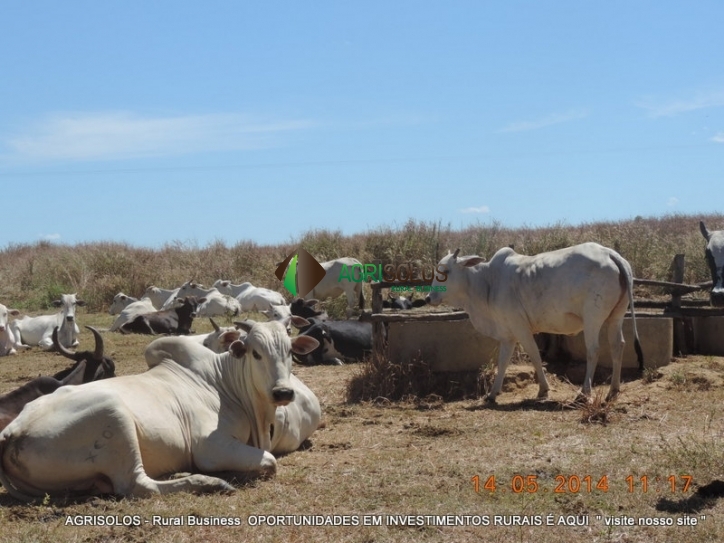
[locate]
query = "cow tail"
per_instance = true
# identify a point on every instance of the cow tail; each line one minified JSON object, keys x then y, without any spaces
{"x":361,"y":296}
{"x":625,"y":269}
{"x":5,"y":480}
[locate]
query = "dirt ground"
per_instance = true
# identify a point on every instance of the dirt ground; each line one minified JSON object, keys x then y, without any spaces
{"x":438,"y":470}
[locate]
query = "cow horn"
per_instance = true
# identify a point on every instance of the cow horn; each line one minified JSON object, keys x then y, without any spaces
{"x":216,"y":326}
{"x":98,"y":354}
{"x":61,"y":349}
{"x":455,"y":254}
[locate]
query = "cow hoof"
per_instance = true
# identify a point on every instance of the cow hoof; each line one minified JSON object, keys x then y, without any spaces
{"x":582,"y":399}
{"x":612,"y":395}
{"x":543,"y":395}
{"x":489,"y":399}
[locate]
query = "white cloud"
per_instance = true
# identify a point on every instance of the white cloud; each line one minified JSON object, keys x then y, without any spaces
{"x":719,"y":138}
{"x":116,"y":135}
{"x":672,"y":201}
{"x":555,"y":118}
{"x":700,"y":100}
{"x":49,"y":237}
{"x":481,"y":209}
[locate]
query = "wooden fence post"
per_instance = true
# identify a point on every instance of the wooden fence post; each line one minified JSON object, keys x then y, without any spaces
{"x":683,"y":327}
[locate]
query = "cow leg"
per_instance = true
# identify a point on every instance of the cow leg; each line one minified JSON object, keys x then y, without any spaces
{"x":221,"y":452}
{"x":590,"y":337}
{"x":531,"y":348}
{"x":505,"y":351}
{"x":351,"y":299}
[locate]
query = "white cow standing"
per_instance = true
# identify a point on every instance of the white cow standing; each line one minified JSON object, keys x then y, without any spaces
{"x":715,"y":260}
{"x":331,"y":287}
{"x":580,"y":288}
{"x":7,"y":337}
{"x":193,"y":410}
{"x":31,"y":331}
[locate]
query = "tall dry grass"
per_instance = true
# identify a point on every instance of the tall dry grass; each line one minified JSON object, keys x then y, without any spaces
{"x":35,"y":274}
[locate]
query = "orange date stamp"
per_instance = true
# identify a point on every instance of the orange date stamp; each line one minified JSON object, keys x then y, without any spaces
{"x":573,"y":484}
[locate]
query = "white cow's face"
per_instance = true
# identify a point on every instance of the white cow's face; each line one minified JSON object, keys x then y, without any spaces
{"x":268,"y":350}
{"x":67,"y":305}
{"x":5,"y":314}
{"x":715,"y":260}
{"x":450,"y":276}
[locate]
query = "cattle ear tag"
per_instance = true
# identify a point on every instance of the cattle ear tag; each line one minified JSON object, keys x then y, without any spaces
{"x":238,"y":349}
{"x":302,"y":345}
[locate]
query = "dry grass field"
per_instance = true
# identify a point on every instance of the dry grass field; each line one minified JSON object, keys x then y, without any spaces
{"x":560,"y":473}
{"x":385,"y":461}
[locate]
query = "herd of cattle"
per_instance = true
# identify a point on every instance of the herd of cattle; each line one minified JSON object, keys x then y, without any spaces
{"x":227,"y":401}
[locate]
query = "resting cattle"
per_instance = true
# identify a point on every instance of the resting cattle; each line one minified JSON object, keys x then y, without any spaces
{"x":7,"y":337}
{"x":193,"y":410}
{"x":339,"y":341}
{"x":514,"y":296}
{"x":30,"y":331}
{"x":170,"y":321}
{"x":331,"y":287}
{"x":160,"y":297}
{"x":715,"y":259}
{"x":294,"y":422}
{"x":130,"y":311}
{"x":220,"y":339}
{"x":217,"y":304}
{"x":89,"y":366}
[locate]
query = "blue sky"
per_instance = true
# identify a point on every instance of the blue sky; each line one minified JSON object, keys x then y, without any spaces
{"x":153,"y":122}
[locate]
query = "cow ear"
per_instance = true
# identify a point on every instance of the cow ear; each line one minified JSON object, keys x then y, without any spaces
{"x":237,"y":349}
{"x":312,"y":302}
{"x":80,"y":302}
{"x":14,"y":312}
{"x":57,"y":303}
{"x":472,"y":261}
{"x":302,"y":345}
{"x":299,"y":322}
{"x":201,"y":300}
{"x":230,"y":337}
{"x":244,"y":325}
{"x":704,"y":231}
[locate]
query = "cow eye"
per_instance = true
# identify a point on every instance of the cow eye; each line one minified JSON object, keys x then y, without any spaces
{"x":256,"y":355}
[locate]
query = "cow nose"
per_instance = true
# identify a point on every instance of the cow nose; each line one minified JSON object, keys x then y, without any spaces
{"x":2,"y":328}
{"x":717,"y":298}
{"x":69,"y":318}
{"x":283,"y":395}
{"x":427,"y":299}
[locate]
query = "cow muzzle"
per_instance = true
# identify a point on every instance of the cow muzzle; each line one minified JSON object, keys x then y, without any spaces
{"x":2,"y":328}
{"x":282,"y":396}
{"x":717,"y":297}
{"x":70,"y":318}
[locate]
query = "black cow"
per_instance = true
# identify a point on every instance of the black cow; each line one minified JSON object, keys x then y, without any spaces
{"x":89,"y":366}
{"x":305,"y":309}
{"x":338,"y":341}
{"x":170,"y":321}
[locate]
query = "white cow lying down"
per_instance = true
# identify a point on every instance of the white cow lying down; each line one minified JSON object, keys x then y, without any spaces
{"x":294,"y":422}
{"x":193,"y":410}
